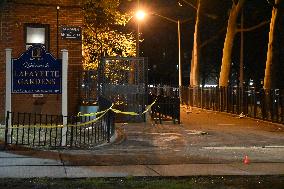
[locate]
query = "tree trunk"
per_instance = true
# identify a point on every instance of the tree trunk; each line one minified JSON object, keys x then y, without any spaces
{"x":194,"y":72}
{"x":191,"y":70}
{"x":271,"y":47}
{"x":228,"y":44}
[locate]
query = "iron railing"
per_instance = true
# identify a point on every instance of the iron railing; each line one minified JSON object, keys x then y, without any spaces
{"x":88,"y":87}
{"x":167,"y":104}
{"x":262,"y":104}
{"x":30,"y":129}
{"x":123,"y":80}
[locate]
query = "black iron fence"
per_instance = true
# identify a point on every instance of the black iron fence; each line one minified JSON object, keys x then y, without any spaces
{"x":40,"y":130}
{"x":166,"y":105}
{"x":261,"y":104}
{"x":123,"y":80}
{"x":88,"y":87}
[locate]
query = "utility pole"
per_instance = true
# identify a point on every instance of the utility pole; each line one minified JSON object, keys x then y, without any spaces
{"x":179,"y":57}
{"x":241,"y":77}
{"x":138,"y":31}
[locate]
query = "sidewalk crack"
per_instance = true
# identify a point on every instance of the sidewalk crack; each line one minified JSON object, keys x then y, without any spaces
{"x":153,"y":170}
{"x":62,"y":161}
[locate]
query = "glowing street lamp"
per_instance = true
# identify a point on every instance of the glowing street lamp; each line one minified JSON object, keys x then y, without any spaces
{"x":140,"y":15}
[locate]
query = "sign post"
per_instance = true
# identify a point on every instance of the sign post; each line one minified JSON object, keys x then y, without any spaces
{"x":64,"y":94}
{"x":36,"y":72}
{"x":8,"y":101}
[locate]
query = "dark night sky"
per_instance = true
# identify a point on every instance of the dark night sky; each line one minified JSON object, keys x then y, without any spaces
{"x":160,"y":40}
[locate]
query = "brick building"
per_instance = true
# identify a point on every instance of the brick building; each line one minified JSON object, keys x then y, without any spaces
{"x":18,"y":19}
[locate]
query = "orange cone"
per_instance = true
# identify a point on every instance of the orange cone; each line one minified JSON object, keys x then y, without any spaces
{"x":246,"y":160}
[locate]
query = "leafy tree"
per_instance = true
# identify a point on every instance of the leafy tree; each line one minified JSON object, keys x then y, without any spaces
{"x":105,"y":33}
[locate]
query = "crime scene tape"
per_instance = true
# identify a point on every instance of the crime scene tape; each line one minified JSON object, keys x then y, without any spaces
{"x":119,"y":111}
{"x":101,"y":113}
{"x":58,"y":126}
{"x":94,"y":120}
{"x":90,"y":114}
{"x":35,"y":126}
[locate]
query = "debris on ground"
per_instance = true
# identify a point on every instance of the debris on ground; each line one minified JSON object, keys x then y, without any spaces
{"x":242,"y":115}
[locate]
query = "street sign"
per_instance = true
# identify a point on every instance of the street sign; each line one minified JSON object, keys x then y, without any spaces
{"x":68,"y":32}
{"x":36,"y":72}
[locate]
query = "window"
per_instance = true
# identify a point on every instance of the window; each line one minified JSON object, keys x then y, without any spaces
{"x":36,"y":34}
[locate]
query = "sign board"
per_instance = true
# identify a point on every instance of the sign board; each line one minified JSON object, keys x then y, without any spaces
{"x":68,"y":32}
{"x":37,"y":72}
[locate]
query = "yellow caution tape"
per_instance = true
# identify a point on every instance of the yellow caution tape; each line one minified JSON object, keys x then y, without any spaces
{"x":87,"y":115}
{"x":90,"y":114}
{"x":92,"y":121}
{"x":35,"y":126}
{"x":119,"y":111}
{"x":126,"y":113}
{"x":149,"y":106}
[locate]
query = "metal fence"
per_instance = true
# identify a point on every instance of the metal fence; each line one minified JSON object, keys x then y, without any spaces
{"x":166,"y":105}
{"x":40,"y":130}
{"x":88,"y":87}
{"x":124,"y":81}
{"x":261,"y":104}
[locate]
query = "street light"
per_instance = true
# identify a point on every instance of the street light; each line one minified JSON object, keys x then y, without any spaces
{"x":140,"y":16}
{"x":179,"y":44}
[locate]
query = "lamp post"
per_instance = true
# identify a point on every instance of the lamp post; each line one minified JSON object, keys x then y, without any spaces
{"x":178,"y":22}
{"x":179,"y":57}
{"x":140,"y":15}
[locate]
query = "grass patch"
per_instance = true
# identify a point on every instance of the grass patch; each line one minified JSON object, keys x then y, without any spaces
{"x":207,"y":182}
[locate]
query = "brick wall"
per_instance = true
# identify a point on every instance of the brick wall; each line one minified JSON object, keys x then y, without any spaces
{"x":15,"y":13}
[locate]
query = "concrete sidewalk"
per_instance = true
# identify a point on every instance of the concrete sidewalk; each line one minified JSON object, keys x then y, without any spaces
{"x":19,"y":166}
{"x":206,"y":143}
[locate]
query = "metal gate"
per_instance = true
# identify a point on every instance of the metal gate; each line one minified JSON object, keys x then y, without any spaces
{"x":124,"y":82}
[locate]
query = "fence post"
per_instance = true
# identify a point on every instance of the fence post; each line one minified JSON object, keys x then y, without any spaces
{"x":277,"y":102}
{"x":107,"y":117}
{"x":8,"y":99}
{"x":189,"y":96}
{"x":255,"y":105}
{"x":64,"y":94}
{"x":7,"y":134}
{"x":282,"y":105}
{"x":227,"y":99}
{"x":178,"y":111}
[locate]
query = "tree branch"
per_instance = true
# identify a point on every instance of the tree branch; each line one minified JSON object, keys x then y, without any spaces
{"x":190,"y":4}
{"x":240,"y":5}
{"x":212,"y":16}
{"x":213,"y":38}
{"x":254,"y":27}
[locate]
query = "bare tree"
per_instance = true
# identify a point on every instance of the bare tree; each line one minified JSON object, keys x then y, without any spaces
{"x":194,"y":71}
{"x":270,"y":60}
{"x":229,"y":41}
